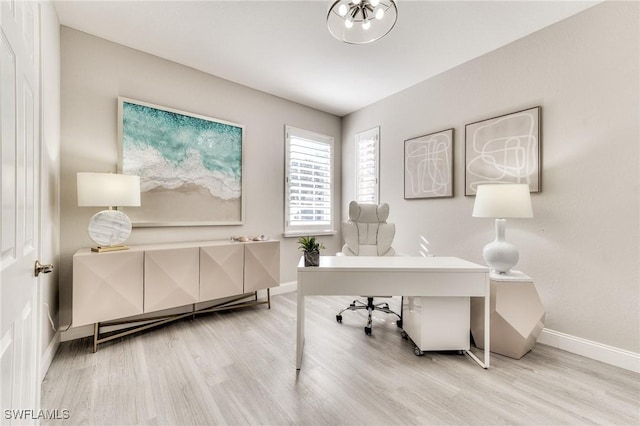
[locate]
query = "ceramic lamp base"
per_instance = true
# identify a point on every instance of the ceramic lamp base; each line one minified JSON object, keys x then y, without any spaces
{"x":500,"y":254}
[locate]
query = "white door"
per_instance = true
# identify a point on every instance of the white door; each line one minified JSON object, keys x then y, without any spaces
{"x":20,"y":133}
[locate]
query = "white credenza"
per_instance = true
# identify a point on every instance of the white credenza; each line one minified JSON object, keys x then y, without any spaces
{"x":112,"y":286}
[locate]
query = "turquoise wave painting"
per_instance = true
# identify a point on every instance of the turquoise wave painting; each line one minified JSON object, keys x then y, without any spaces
{"x":183,"y":157}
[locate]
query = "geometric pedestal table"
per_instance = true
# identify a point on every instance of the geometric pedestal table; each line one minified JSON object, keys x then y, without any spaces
{"x":517,"y":315}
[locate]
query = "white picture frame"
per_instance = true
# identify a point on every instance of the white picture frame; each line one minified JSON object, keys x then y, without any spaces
{"x":190,"y":165}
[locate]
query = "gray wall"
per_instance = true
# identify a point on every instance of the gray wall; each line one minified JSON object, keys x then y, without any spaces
{"x":95,"y":72}
{"x":582,"y":246}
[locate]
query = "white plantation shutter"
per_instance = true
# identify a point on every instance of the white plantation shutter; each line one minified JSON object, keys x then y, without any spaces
{"x":367,"y":170}
{"x":309,"y":186}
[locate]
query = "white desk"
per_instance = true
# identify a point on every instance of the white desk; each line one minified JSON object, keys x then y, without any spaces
{"x":393,"y":276}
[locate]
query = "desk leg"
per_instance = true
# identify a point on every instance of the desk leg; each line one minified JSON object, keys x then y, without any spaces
{"x":487,"y":337}
{"x":300,"y":331}
{"x":487,"y":325}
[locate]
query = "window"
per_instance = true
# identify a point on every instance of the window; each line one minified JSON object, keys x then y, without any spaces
{"x":309,"y":183}
{"x":367,"y":170}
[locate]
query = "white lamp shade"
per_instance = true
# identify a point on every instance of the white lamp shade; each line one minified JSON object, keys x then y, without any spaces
{"x":108,"y":190}
{"x":503,"y":201}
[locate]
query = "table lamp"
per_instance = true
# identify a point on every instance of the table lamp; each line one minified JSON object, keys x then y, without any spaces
{"x":108,"y":228}
{"x":502,"y":201}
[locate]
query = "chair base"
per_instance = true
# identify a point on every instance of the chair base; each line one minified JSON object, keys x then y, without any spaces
{"x":370,"y":307}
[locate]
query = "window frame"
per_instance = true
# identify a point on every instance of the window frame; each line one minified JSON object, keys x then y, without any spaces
{"x":302,"y":230}
{"x":367,"y":135}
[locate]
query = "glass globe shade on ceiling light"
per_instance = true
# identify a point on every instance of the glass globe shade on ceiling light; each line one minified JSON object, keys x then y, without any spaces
{"x":361,"y":21}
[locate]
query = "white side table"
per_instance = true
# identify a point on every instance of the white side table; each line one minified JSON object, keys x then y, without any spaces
{"x":517,"y":315}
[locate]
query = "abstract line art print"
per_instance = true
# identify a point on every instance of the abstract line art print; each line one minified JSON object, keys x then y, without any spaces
{"x":504,"y":149}
{"x":190,"y":166}
{"x":428,"y":166}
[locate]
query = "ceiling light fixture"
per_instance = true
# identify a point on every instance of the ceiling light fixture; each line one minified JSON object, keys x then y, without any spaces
{"x":361,"y":21}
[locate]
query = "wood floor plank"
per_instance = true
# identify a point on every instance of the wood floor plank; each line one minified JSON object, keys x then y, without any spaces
{"x":238,"y":368}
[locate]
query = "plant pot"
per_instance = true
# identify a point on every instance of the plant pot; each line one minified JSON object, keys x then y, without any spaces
{"x":311,"y":258}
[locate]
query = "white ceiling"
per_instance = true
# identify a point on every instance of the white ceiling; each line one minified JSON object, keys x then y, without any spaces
{"x":284,"y":48}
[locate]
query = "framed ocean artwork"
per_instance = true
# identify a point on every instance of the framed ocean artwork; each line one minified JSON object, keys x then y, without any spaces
{"x":190,"y":166}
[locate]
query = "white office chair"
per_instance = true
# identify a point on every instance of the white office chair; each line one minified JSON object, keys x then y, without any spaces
{"x":367,"y":233}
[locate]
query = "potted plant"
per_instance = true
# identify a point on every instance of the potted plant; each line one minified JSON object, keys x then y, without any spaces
{"x":311,"y":248}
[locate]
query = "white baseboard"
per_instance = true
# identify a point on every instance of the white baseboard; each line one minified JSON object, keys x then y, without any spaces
{"x":47,"y":357}
{"x":589,"y":349}
{"x":287,"y":287}
{"x":77,"y":333}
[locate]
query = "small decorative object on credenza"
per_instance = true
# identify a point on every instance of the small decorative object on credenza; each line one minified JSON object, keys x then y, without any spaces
{"x":108,"y":228}
{"x":311,"y":248}
{"x":245,"y":239}
{"x":502,"y":201}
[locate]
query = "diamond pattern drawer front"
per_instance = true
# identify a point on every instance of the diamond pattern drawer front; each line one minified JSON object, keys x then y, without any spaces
{"x":107,"y":286}
{"x":171,"y":278}
{"x":221,"y":271}
{"x":261,"y":265}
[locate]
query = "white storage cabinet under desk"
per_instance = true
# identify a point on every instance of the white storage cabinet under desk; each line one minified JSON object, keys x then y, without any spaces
{"x":111,"y":286}
{"x":437,"y":323}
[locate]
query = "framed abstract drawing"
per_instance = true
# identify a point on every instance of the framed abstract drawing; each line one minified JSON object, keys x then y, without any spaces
{"x":190,"y":166}
{"x":504,"y":149}
{"x":428,"y":166}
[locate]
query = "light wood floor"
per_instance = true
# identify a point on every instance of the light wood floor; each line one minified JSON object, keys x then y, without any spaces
{"x":238,"y":368}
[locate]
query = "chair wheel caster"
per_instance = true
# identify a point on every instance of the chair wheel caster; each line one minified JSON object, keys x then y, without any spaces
{"x":399,"y":323}
{"x":418,"y":352}
{"x":367,"y":331}
{"x":404,"y":335}
{"x":339,"y":318}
